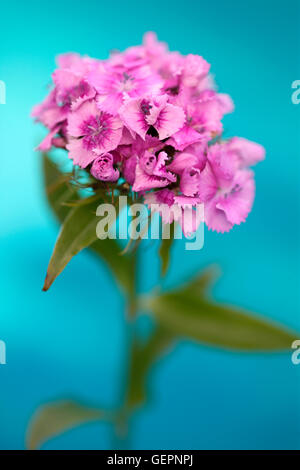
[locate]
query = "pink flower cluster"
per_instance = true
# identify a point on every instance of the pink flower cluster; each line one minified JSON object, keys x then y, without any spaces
{"x":152,"y":118}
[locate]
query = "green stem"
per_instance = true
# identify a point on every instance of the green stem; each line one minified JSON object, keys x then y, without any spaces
{"x":121,"y":435}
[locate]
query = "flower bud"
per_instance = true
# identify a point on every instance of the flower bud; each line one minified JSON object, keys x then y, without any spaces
{"x":103,"y":169}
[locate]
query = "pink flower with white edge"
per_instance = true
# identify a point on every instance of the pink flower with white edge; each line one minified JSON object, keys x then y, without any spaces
{"x":231,"y":206}
{"x":140,"y":114}
{"x":193,"y":156}
{"x":227,"y":191}
{"x":91,"y":133}
{"x":72,"y":90}
{"x":249,"y":152}
{"x":113,"y":85}
{"x":203,"y":118}
{"x":151,"y":172}
{"x":152,"y":119}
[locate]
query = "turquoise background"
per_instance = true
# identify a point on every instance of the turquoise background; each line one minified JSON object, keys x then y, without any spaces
{"x":70,"y":341}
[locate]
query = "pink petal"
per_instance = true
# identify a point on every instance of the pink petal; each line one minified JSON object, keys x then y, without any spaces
{"x":185,"y":200}
{"x":189,"y":181}
{"x":133,"y":117}
{"x":79,"y":154}
{"x":226,"y":103}
{"x":224,"y":164}
{"x":144,"y":182}
{"x":76,"y":118}
{"x":129,"y":167}
{"x":208,"y":186}
{"x":114,"y":137}
{"x":238,"y":204}
{"x":249,"y":152}
{"x":161,"y":202}
{"x":77,"y":103}
{"x":215,"y":218}
{"x":186,"y":136}
{"x":161,"y":170}
{"x":110,"y":103}
{"x":182,"y":161}
{"x":127,"y":138}
{"x":170,"y":120}
{"x":65,"y":79}
{"x":46,"y":144}
{"x":190,"y":220}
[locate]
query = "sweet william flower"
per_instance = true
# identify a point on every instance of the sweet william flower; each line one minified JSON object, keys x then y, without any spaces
{"x":232,"y":205}
{"x":153,"y":119}
{"x":71,"y":90}
{"x":140,"y":114}
{"x":114,"y":84}
{"x":226,"y":190}
{"x":92,"y":132}
{"x":151,"y":172}
{"x":203,"y":117}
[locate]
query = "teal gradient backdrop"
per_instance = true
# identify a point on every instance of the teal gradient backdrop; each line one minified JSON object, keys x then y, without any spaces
{"x":69,"y":342}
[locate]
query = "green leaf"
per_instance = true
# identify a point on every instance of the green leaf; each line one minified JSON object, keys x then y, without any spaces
{"x":59,"y":192}
{"x":53,"y":419}
{"x":77,"y":232}
{"x":142,"y":359}
{"x":58,"y":189}
{"x":188,"y":313}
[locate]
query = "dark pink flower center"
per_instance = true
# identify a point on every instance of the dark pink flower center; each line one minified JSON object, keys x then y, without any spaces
{"x":145,"y":107}
{"x":165,"y":197}
{"x":127,"y":77}
{"x":94,"y":130}
{"x":71,"y":95}
{"x":236,"y":188}
{"x":148,"y":162}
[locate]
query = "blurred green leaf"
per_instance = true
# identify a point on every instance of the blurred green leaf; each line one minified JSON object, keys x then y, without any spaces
{"x":122,"y":266}
{"x":142,"y":359}
{"x":53,"y":419}
{"x":201,"y":284}
{"x":187,"y":312}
